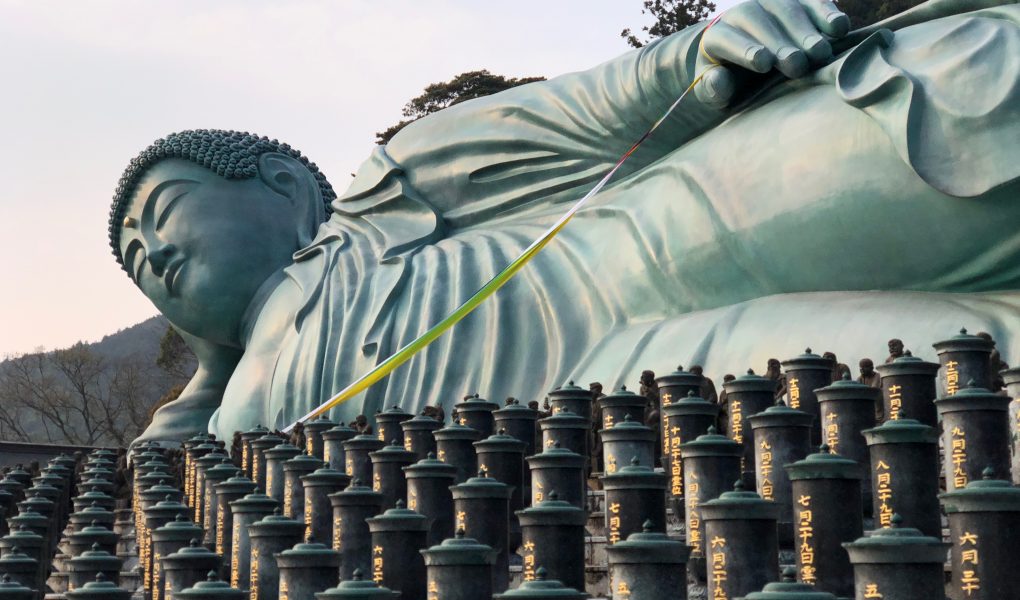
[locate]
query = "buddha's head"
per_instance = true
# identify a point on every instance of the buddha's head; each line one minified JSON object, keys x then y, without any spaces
{"x":201,"y":219}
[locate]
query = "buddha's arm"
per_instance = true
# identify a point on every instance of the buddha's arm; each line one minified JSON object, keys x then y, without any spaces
{"x":189,"y":413}
{"x":549,"y":140}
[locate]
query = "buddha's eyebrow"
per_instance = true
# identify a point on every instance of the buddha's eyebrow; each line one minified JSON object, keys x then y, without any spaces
{"x":164,"y":196}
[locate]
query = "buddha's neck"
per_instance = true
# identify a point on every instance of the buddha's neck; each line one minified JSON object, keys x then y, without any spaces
{"x":258,"y":301}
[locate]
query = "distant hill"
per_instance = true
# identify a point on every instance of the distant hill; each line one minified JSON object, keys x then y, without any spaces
{"x":102,"y":392}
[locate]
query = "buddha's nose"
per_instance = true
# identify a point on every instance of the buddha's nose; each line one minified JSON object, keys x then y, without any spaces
{"x":159,"y":257}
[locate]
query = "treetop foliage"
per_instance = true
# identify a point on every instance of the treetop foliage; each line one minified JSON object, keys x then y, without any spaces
{"x":670,"y":16}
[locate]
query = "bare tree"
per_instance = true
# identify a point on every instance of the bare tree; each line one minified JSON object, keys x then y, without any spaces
{"x":74,"y":396}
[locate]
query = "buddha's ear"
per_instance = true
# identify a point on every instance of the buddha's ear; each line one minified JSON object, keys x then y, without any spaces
{"x":288,"y":177}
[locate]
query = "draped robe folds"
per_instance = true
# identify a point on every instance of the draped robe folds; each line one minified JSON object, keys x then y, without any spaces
{"x":875,"y":198}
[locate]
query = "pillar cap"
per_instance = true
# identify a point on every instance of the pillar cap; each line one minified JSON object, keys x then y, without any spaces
{"x":983,"y":495}
{"x":456,"y":431}
{"x":459,"y":551}
{"x":339,"y":432}
{"x":541,"y":588}
{"x":212,"y":587}
{"x":398,"y":518}
{"x":394,"y":452}
{"x":750,"y":382}
{"x":622,"y":397}
{"x":901,"y":431}
{"x":356,"y":494}
{"x":474,"y":404}
{"x":393,"y":413}
{"x":629,"y":429}
{"x":555,"y":456}
{"x":711,"y":444}
{"x":781,"y":415}
{"x":326,"y":476}
{"x":363,"y":441}
{"x":564,"y":419}
{"x":481,"y":486}
{"x":824,"y":465}
{"x":358,"y":588}
{"x":964,"y":342}
{"x":430,"y":466}
{"x":319,"y":425}
{"x":740,"y":504}
{"x":679,"y":377}
{"x":421,"y":423}
{"x":308,"y":553}
{"x":552,"y":511}
{"x":691,"y":404}
{"x":276,"y":525}
{"x":516,"y":410}
{"x":254,"y":502}
{"x":302,"y":462}
{"x":787,"y":588}
{"x":634,"y":476}
{"x":896,"y":545}
{"x":972,"y":398}
{"x":101,"y":588}
{"x":284,"y":451}
{"x":808,"y":361}
{"x":908,"y":364}
{"x":848,"y":389}
{"x":500,"y":442}
{"x":648,"y":547}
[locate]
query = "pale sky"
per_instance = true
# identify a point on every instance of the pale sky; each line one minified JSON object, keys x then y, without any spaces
{"x":85,"y":86}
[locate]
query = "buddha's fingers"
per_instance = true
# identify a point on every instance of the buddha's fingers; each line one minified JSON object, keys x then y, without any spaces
{"x":760,"y":25}
{"x":827,"y":18}
{"x":800,"y":30}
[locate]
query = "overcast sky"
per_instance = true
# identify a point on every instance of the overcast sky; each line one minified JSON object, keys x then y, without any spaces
{"x":84,"y":86}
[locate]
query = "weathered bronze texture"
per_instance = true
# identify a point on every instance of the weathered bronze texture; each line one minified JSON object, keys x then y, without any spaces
{"x":625,"y":440}
{"x":984,"y":519}
{"x":12,"y":589}
{"x":787,"y":588}
{"x":827,"y":512}
{"x":634,"y":494}
{"x":314,"y":444}
{"x":648,"y":565}
{"x":567,"y":429}
{"x":848,"y":408}
{"x":905,"y":474}
{"x":460,"y":568}
{"x":964,"y":358}
{"x":428,"y":493}
{"x":672,"y":387}
{"x":805,"y":374}
{"x":398,"y":537}
{"x":781,"y":436}
{"x":211,"y":513}
{"x":94,"y":536}
{"x":275,"y":458}
{"x":388,"y":473}
{"x":571,"y":398}
{"x":747,"y":395}
{"x":417,"y":436}
{"x":476,"y":413}
{"x":975,"y":435}
{"x":99,"y":589}
{"x":455,"y":446}
{"x":898,"y":562}
{"x":558,"y":469}
{"x":258,"y":457}
{"x":358,"y":588}
{"x":387,"y":424}
{"x":908,"y":389}
{"x":684,"y":419}
{"x":35,"y":547}
{"x":83,"y":568}
{"x":210,"y":589}
{"x":306,"y":569}
{"x":517,"y":420}
{"x":318,"y":510}
{"x":502,"y":458}
{"x":351,"y":536}
{"x":1011,"y":378}
{"x":617,"y":406}
{"x":22,"y":568}
{"x":187,"y":567}
{"x":553,"y":538}
{"x":711,"y":465}
{"x":741,"y":543}
{"x":358,"y":463}
{"x":235,"y":488}
{"x":482,"y":510}
{"x":333,"y":446}
{"x":542,"y":587}
{"x":294,"y":471}
{"x":248,"y":510}
{"x":271,"y":535}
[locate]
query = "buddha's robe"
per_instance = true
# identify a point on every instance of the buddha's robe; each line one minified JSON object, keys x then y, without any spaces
{"x":875,"y":198}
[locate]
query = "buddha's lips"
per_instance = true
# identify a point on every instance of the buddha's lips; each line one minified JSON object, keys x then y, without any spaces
{"x":172,"y":269}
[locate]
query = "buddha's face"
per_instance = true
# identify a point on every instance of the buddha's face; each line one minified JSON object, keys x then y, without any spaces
{"x":200,"y":246}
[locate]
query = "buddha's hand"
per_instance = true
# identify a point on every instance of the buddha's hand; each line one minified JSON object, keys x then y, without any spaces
{"x":756,"y":37}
